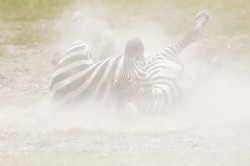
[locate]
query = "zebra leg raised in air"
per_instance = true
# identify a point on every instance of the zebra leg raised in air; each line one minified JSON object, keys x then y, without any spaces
{"x":191,"y":36}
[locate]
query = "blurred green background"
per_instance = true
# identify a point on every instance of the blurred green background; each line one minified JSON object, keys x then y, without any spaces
{"x":230,"y":21}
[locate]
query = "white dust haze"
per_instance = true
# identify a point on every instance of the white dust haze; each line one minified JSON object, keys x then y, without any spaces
{"x":210,"y":128}
{"x":221,"y":101}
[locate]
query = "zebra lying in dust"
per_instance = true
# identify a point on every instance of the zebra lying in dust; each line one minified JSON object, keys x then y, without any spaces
{"x":166,"y":83}
{"x":78,"y":78}
{"x":159,"y":79}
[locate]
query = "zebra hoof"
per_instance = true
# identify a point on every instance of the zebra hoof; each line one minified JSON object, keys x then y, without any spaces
{"x":203,"y":13}
{"x":202,"y":18}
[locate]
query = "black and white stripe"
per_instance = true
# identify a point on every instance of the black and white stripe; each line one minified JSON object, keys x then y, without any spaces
{"x":134,"y":78}
{"x":166,"y":74}
{"x":169,"y":82}
{"x":78,"y":78}
{"x":152,"y":84}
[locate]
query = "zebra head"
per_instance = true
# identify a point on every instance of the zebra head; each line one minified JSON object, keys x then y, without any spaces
{"x":134,"y":58}
{"x":134,"y":79}
{"x":134,"y":49}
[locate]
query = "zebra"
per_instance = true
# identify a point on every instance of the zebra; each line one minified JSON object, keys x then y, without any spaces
{"x":167,"y":82}
{"x":131,"y":76}
{"x":77,"y":77}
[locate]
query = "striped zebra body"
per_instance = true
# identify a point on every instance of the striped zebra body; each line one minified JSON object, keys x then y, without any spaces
{"x":169,"y":82}
{"x":78,"y":78}
{"x":152,"y":84}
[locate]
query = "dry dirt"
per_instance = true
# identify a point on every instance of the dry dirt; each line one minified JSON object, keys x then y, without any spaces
{"x":26,"y":141}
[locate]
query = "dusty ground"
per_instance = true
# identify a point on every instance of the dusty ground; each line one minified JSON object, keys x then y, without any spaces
{"x":24,"y":141}
{"x":25,"y":76}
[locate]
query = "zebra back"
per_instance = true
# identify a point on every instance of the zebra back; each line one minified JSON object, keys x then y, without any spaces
{"x":77,"y":77}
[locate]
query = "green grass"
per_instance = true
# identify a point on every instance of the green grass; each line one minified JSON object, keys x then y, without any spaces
{"x":2,"y":53}
{"x":22,"y":16}
{"x":26,"y":10}
{"x":227,"y":16}
{"x":30,"y":33}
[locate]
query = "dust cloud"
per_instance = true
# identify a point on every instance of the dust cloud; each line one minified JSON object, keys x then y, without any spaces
{"x":221,"y":102}
{"x":222,"y":99}
{"x":217,"y":103}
